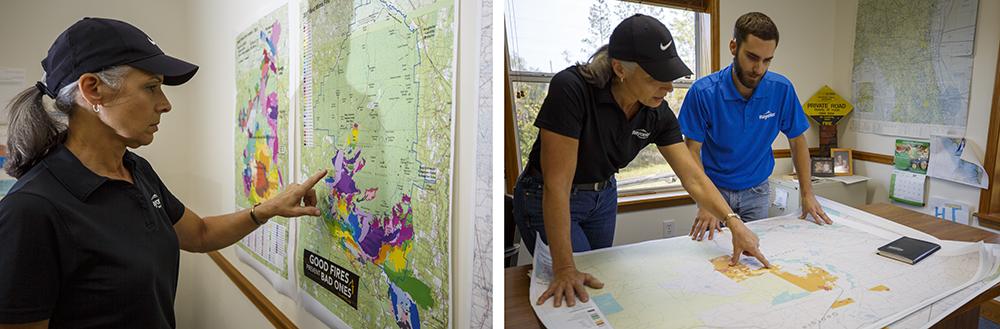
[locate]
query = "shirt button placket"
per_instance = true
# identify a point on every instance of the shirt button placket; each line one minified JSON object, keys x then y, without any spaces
{"x":147,"y":219}
{"x":746,"y":115}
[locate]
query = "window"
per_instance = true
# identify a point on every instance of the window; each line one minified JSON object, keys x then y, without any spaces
{"x":541,"y":44}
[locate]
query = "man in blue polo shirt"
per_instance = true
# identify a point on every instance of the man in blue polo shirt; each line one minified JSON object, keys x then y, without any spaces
{"x":730,"y":119}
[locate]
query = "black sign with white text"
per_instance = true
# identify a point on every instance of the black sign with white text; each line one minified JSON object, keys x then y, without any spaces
{"x":334,"y":278}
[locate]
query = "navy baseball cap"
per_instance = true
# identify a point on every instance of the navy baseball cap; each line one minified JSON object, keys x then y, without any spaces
{"x":94,"y":44}
{"x":646,"y":41}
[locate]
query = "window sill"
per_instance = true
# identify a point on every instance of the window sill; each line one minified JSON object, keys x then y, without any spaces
{"x":644,"y":189}
{"x":636,"y":202}
{"x":990,"y":220}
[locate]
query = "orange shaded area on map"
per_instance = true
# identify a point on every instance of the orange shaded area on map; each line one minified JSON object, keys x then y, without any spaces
{"x":737,"y":273}
{"x":815,"y":278}
{"x":842,"y":302}
{"x":879,"y":288}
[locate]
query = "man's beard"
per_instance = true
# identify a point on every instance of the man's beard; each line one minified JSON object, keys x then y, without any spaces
{"x":744,"y":80}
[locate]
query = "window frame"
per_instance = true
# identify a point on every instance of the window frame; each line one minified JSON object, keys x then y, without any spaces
{"x":989,"y":198}
{"x":640,"y":200}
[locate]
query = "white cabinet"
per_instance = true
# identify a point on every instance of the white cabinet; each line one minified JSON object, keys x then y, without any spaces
{"x":785,"y":198}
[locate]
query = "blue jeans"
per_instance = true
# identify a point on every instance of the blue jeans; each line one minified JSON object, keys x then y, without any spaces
{"x":592,"y":214}
{"x":752,"y":203}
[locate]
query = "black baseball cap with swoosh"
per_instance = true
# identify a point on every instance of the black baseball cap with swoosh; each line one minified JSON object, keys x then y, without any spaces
{"x":94,"y":44}
{"x":646,"y":41}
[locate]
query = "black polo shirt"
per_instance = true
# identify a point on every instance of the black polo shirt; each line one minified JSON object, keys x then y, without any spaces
{"x":608,"y":141}
{"x":86,"y":251}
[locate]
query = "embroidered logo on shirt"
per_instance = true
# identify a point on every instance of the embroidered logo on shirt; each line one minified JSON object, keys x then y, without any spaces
{"x":156,"y":201}
{"x":767,"y":115}
{"x":641,"y":133}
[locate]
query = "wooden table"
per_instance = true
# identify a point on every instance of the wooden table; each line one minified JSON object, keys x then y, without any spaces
{"x":519,"y":314}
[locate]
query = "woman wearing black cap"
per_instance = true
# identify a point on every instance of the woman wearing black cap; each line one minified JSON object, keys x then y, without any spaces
{"x":89,"y":235}
{"x":595,"y":119}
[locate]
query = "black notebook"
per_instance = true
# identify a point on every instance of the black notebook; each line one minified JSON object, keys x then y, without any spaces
{"x":908,"y":250}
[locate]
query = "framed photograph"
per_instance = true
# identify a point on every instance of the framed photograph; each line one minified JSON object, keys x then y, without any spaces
{"x":822,"y":167}
{"x":843,"y":162}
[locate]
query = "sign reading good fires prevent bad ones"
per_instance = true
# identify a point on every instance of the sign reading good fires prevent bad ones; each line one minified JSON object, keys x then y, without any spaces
{"x":827,"y":107}
{"x":334,"y":278}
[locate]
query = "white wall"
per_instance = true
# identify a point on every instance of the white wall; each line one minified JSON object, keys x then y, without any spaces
{"x":28,"y":28}
{"x":804,"y":35}
{"x":816,"y":48}
{"x":980,"y":100}
{"x":193,"y":150}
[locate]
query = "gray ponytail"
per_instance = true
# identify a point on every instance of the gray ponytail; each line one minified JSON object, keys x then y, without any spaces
{"x":598,"y":71}
{"x":33,"y":131}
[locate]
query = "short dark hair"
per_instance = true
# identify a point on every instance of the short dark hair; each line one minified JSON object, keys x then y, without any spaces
{"x":757,"y":24}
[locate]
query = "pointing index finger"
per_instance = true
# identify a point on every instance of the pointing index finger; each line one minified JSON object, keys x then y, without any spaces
{"x":312,"y":180}
{"x":760,"y":256}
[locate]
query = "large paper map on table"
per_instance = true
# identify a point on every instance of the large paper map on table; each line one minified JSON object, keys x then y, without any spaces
{"x":822,"y":277}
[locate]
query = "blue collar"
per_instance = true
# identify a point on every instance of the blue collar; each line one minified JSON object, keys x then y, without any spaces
{"x":729,"y":91}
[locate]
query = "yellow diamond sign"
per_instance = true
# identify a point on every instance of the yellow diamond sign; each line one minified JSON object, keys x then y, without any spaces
{"x":827,"y":107}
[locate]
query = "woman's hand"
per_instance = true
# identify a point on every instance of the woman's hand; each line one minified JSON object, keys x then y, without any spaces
{"x":745,"y":242}
{"x":295,"y":200}
{"x":569,"y":283}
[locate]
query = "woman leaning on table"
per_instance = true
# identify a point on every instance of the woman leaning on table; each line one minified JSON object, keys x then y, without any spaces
{"x":595,"y":120}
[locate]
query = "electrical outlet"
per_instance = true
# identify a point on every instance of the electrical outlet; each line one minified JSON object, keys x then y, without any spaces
{"x":668,"y":228}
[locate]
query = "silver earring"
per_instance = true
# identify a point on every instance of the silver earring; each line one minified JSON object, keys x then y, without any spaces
{"x":97,"y":109}
{"x":621,"y":79}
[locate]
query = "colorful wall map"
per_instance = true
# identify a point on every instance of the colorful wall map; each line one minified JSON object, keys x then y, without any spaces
{"x":377,"y":112}
{"x":262,"y":109}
